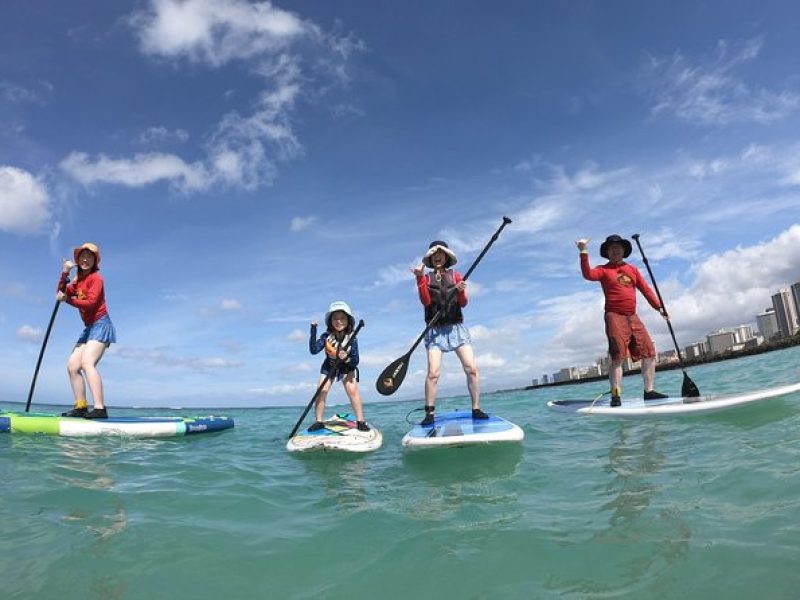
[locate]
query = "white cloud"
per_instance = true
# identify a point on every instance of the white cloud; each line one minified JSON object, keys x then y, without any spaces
{"x":143,"y":169}
{"x":160,"y":358}
{"x":24,"y":202}
{"x":18,"y":94}
{"x":162,"y":134}
{"x":216,"y":31}
{"x":300,"y":223}
{"x":726,"y":290}
{"x":284,"y":389}
{"x":230,"y":304}
{"x":297,"y":335}
{"x":30,"y":334}
{"x":289,"y":55}
{"x":710,"y":94}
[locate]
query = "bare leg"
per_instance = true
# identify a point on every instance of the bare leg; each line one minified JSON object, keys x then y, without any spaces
{"x":615,"y":373}
{"x":434,"y":368}
{"x":467,"y":358}
{"x":75,"y":375}
{"x":648,"y":373}
{"x":351,"y":388}
{"x":321,"y":397}
{"x":92,"y":353}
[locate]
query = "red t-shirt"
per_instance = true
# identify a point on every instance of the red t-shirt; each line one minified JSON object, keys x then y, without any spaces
{"x":620,"y":282}
{"x":88,"y":295}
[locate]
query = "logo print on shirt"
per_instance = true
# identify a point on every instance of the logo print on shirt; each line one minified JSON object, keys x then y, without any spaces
{"x":624,"y":279}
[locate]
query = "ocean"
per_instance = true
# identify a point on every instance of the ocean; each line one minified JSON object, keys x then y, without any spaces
{"x":586,"y":507}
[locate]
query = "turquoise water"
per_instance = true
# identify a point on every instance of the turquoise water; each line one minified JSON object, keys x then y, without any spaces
{"x":585,"y":507}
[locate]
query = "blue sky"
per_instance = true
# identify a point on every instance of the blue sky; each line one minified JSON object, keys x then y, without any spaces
{"x":243,"y":164}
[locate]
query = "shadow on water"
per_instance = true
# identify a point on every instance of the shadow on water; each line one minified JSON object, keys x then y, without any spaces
{"x":444,"y":466}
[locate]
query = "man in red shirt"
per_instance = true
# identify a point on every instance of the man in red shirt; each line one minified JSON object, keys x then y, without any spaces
{"x":627,"y":335}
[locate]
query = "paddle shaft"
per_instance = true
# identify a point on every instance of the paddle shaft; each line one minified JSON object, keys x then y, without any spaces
{"x":635,"y":237}
{"x":41,"y":351}
{"x":331,"y":374}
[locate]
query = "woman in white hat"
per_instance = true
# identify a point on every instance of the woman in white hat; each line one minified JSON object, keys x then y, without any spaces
{"x":87,"y":294}
{"x":443,"y":293}
{"x":339,"y":323}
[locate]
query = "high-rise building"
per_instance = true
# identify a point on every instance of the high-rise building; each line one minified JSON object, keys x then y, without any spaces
{"x":742,"y":333}
{"x":796,"y":296}
{"x":767,"y":323}
{"x":720,"y":341}
{"x":785,"y":311}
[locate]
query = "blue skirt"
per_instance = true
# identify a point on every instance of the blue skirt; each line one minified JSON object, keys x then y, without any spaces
{"x":447,"y":337}
{"x":101,"y":330}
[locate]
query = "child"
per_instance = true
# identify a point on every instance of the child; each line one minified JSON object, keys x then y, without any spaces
{"x":340,"y":324}
{"x":443,"y":291}
{"x":626,"y":333}
{"x":86,"y":293}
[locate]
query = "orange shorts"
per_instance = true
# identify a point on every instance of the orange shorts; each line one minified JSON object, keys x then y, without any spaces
{"x":627,"y":336}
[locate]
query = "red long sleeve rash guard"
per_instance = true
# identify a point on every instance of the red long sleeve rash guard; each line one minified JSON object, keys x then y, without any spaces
{"x":87,"y":295}
{"x":620,"y":282}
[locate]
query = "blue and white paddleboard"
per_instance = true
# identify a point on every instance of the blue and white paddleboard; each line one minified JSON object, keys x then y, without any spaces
{"x":667,"y":407}
{"x":460,"y":429}
{"x":340,"y":433}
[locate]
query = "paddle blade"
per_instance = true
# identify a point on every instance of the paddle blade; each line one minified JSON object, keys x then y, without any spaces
{"x":689,"y":389}
{"x":392,"y":376}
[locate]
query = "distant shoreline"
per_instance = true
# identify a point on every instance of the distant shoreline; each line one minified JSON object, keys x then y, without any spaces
{"x":772,"y":346}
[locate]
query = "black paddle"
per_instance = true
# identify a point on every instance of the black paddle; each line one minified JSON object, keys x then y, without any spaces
{"x":44,"y":345}
{"x":392,"y":376}
{"x":688,"y":389}
{"x":331,"y":374}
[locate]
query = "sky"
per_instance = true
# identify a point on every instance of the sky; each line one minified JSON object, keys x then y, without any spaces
{"x":242,"y":165}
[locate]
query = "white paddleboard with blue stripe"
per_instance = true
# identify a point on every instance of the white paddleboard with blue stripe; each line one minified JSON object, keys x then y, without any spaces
{"x":633,"y":408}
{"x":460,"y":429}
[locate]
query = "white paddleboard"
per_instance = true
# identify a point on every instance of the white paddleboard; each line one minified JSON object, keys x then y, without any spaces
{"x":339,"y":434}
{"x":637,"y":408}
{"x":460,"y":429}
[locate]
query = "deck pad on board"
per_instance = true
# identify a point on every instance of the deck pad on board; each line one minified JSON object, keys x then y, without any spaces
{"x":639,"y":408}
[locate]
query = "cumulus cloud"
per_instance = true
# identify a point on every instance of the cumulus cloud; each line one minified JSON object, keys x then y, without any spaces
{"x":710,"y":94}
{"x":26,"y":333}
{"x":291,"y":57}
{"x":725,"y":290}
{"x":24,"y":202}
{"x":216,"y":31}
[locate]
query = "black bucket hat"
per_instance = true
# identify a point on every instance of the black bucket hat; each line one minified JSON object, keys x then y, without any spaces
{"x":616,"y":239}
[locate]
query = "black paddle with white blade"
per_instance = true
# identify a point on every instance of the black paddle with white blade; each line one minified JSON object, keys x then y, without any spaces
{"x":688,"y":389}
{"x":331,"y":374}
{"x":392,"y":376}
